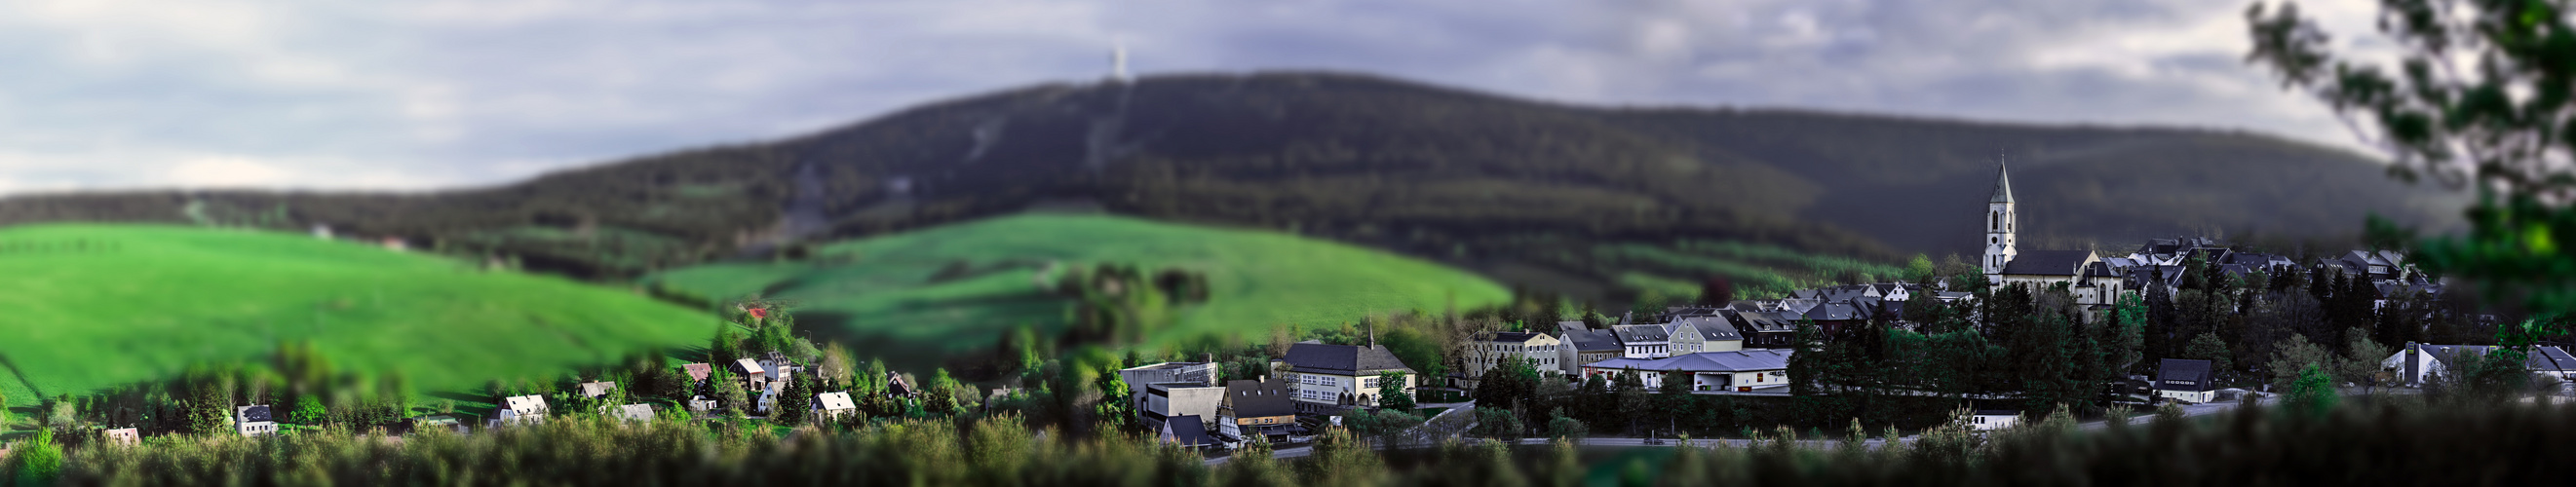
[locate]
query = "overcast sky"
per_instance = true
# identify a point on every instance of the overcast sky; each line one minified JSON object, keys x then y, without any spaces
{"x":431,"y":94}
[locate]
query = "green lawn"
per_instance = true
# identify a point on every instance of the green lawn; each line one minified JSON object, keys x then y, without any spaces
{"x":89,"y":306}
{"x":889,"y":296}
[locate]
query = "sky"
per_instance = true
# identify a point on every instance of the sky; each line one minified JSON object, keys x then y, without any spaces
{"x":432,"y":94}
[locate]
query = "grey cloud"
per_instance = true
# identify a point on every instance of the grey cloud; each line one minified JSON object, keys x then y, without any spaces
{"x":437,"y":94}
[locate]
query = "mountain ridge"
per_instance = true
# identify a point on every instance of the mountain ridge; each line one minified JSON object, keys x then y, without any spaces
{"x":1471,"y":178}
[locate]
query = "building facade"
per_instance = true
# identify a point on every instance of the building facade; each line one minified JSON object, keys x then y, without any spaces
{"x":1537,"y":348}
{"x":1334,"y":378}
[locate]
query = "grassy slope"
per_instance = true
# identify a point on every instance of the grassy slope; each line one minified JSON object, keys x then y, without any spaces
{"x":888,"y":295}
{"x":98,"y":305}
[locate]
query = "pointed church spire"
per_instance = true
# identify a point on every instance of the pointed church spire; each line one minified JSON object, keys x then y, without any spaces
{"x":2003,"y":183}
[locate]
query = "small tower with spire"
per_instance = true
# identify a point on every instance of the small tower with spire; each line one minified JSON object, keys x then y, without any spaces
{"x":1999,"y":225}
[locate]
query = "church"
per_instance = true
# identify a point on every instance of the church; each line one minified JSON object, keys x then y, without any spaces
{"x":2082,"y":271}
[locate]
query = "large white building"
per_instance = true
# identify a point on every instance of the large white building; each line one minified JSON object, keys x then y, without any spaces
{"x":1333,"y":378}
{"x":1538,"y":348}
{"x":1735,"y":371}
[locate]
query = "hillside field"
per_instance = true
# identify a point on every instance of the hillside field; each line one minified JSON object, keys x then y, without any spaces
{"x":91,"y":306}
{"x":920,"y":297}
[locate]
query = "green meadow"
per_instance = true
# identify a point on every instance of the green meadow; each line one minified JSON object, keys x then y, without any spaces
{"x":91,"y":306}
{"x":920,"y":297}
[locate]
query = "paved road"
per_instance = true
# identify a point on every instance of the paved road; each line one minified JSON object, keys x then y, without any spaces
{"x":2193,"y":410}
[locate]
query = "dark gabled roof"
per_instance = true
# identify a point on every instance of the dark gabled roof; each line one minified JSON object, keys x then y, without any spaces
{"x":1835,"y":312}
{"x":2194,"y":375}
{"x":1593,"y":341}
{"x":2234,"y":270}
{"x":2099,"y":269}
{"x":1767,"y":322}
{"x":1640,"y":333}
{"x":1188,"y":431}
{"x":1255,"y":399}
{"x":1568,"y":327}
{"x":255,"y":414}
{"x":2047,"y":262}
{"x":1515,"y":336}
{"x":1713,"y":328}
{"x":1351,"y":360}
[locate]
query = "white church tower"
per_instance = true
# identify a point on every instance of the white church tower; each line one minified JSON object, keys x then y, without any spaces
{"x":1999,"y":226}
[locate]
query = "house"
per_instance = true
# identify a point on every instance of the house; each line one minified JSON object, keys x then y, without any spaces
{"x":516,"y":410}
{"x":1747,"y":370}
{"x":2186,"y":380}
{"x":635,"y":413}
{"x":1166,"y":400}
{"x":768,"y":395}
{"x":254,"y":420}
{"x":1767,"y":329}
{"x":698,"y":372}
{"x":1643,"y":341}
{"x":1538,"y":348}
{"x":1185,"y":431}
{"x":2419,"y":363}
{"x":1203,"y":373}
{"x":1680,"y":338}
{"x":1713,"y":333}
{"x":778,"y":364}
{"x":1266,"y":407}
{"x":750,"y":371}
{"x":1583,"y":347}
{"x":1334,"y":378}
{"x":833,"y":405}
{"x":595,"y":390}
{"x":123,"y":436}
{"x":1993,"y":419}
{"x":701,"y":404}
{"x":1896,"y":291}
{"x":896,"y":387}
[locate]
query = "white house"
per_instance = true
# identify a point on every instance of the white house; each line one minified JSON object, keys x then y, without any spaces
{"x":833,"y":405}
{"x":517,"y":410}
{"x":254,"y":420}
{"x":2186,"y":380}
{"x":1333,"y":378}
{"x":1643,"y":341}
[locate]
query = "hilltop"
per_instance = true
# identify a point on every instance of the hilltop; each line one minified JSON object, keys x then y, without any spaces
{"x":1519,"y":189}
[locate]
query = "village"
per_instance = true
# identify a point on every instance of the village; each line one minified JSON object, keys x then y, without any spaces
{"x":2152,"y":327}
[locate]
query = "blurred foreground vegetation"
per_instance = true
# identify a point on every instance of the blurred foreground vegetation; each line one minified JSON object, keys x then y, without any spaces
{"x":2393,"y":441}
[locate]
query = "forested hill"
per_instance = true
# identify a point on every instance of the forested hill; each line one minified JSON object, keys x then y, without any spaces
{"x":1476,"y":179}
